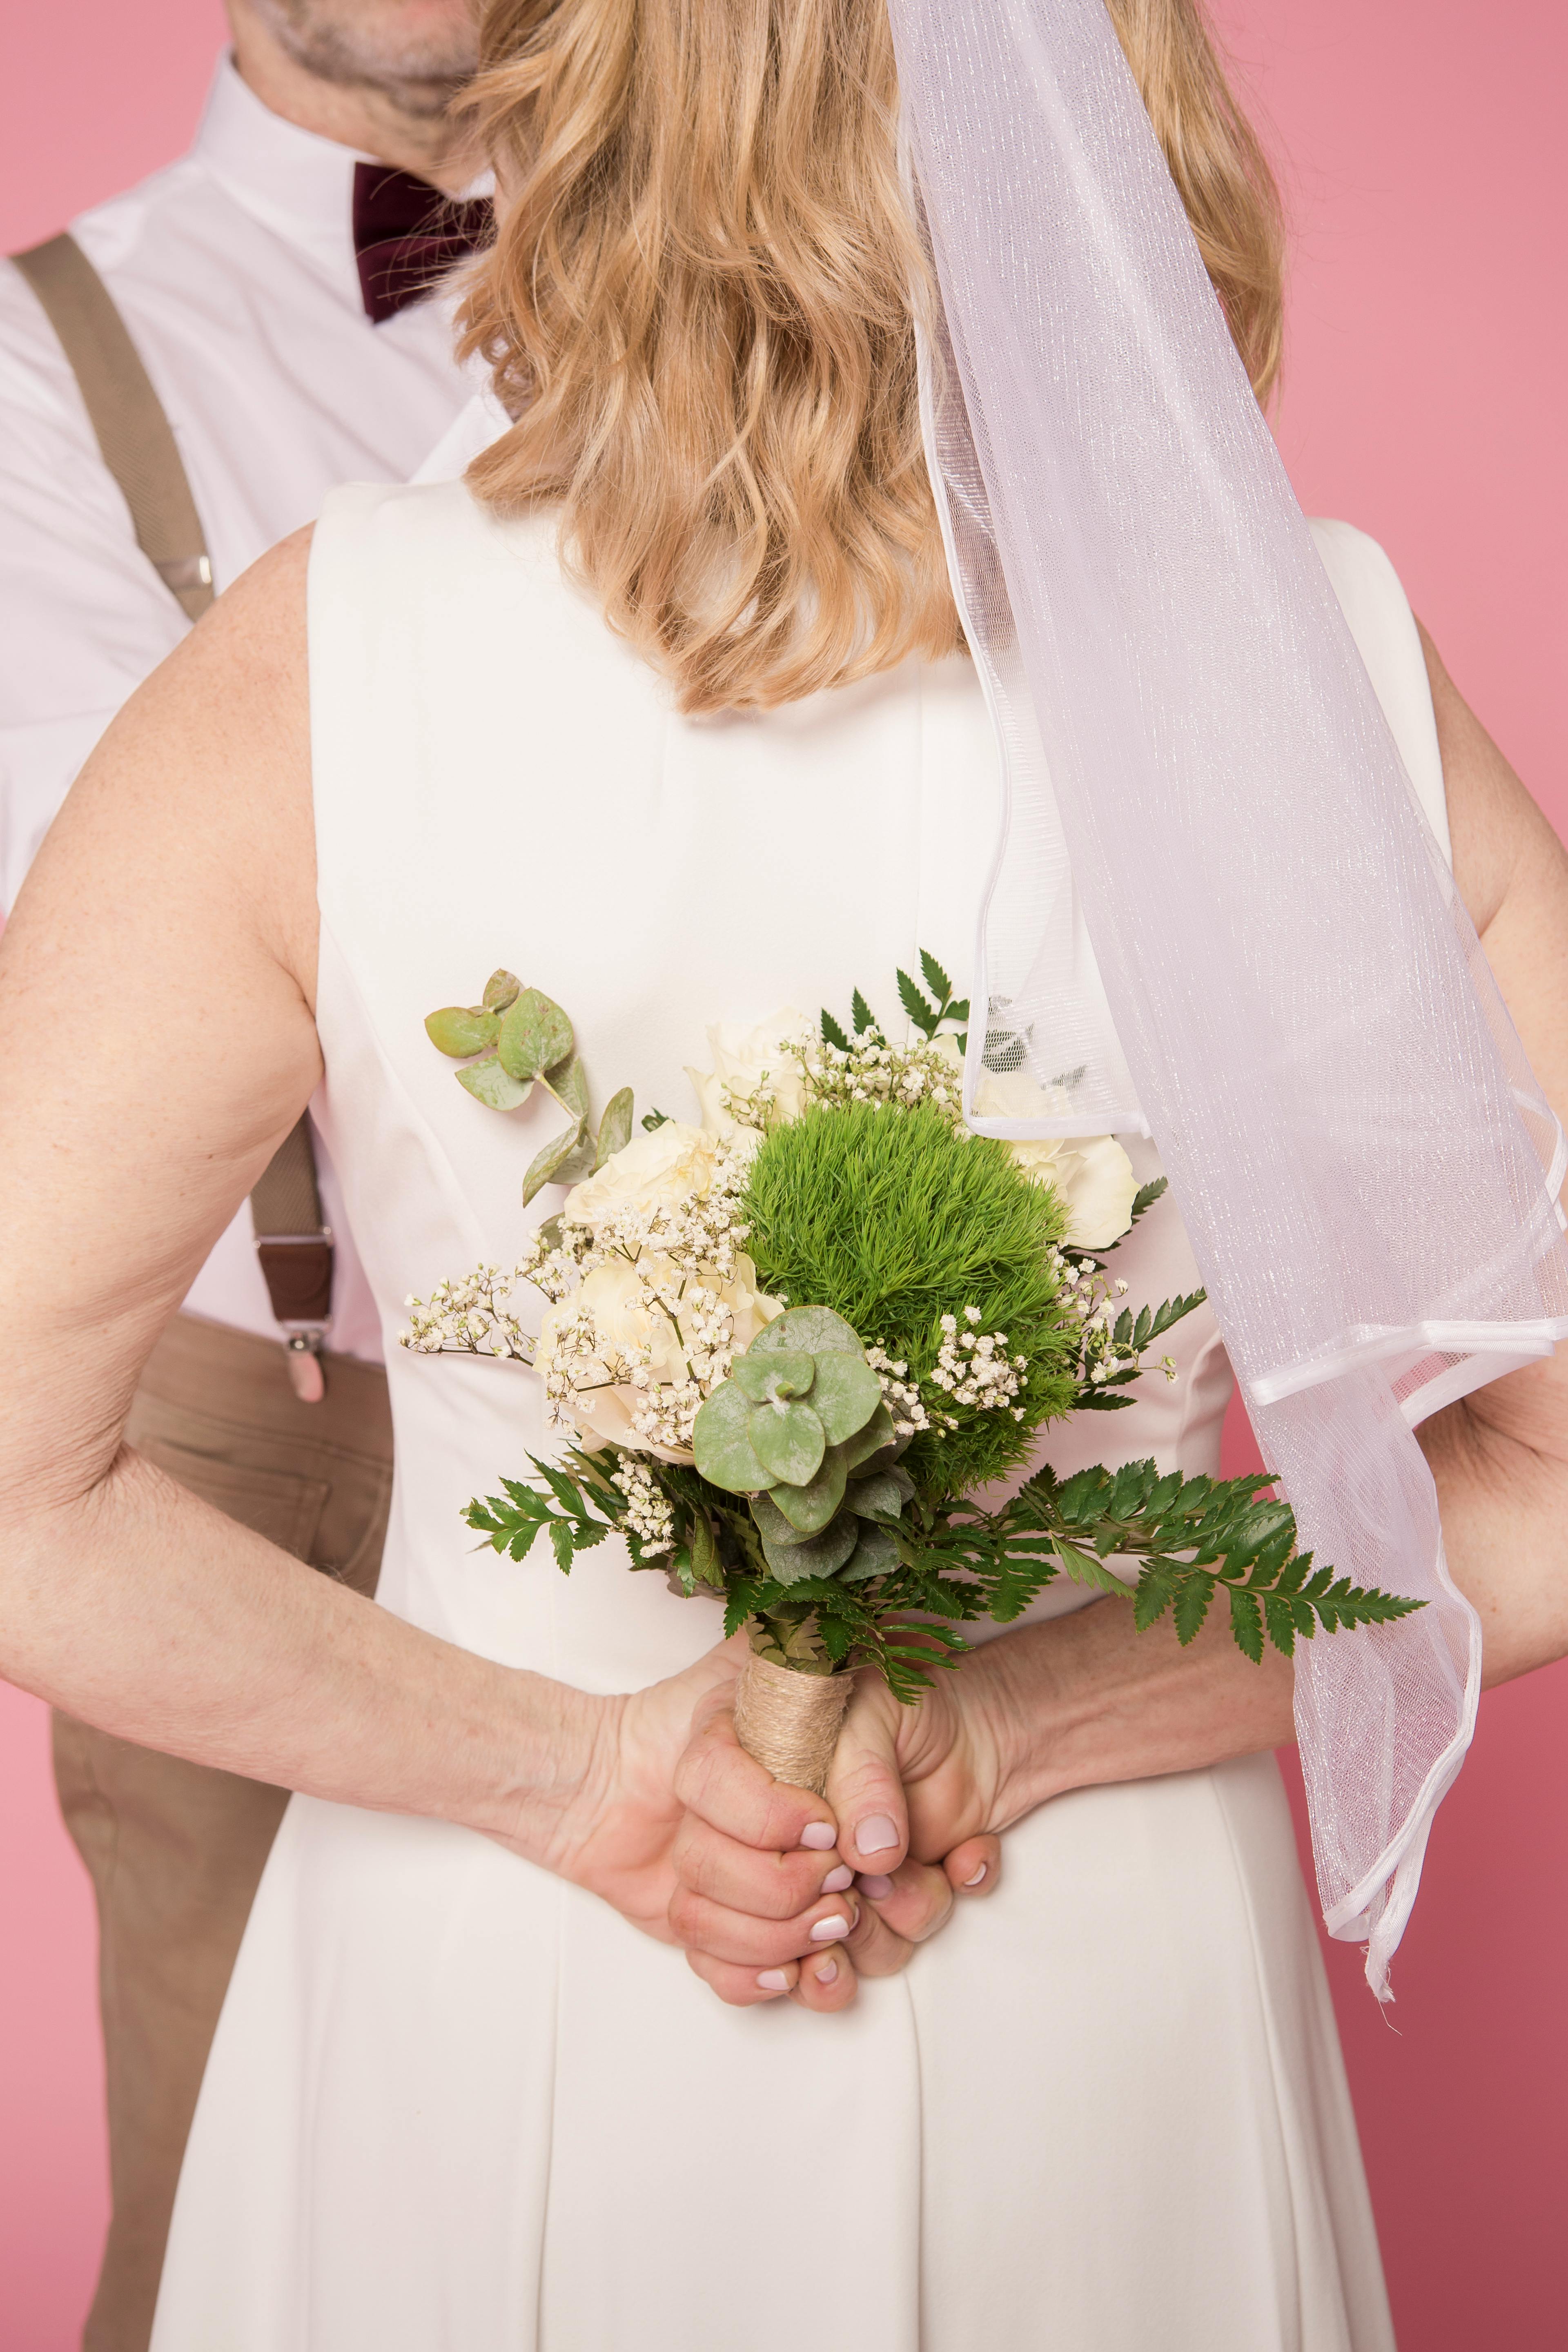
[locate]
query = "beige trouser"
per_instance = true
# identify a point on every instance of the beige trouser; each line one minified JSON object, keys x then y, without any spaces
{"x":176,"y":1850}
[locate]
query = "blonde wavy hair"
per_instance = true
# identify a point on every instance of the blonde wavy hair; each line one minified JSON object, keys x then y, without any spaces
{"x":699,"y":310}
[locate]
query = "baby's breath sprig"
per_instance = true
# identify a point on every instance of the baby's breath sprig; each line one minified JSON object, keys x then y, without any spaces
{"x":469,"y":1317}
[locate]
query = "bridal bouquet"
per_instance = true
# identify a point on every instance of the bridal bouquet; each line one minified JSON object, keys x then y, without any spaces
{"x":803,"y":1350}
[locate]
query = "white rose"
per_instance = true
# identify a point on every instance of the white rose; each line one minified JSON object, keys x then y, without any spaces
{"x":624,"y":1327}
{"x":746,"y":1059}
{"x":662,"y":1169}
{"x":1092,"y":1175}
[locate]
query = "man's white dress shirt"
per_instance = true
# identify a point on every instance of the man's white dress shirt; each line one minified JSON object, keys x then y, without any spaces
{"x":235,"y":272}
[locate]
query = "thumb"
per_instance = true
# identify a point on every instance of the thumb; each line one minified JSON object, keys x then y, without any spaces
{"x":864,"y":1787}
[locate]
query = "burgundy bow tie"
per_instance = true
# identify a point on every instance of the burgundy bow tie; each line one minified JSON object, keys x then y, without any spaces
{"x":407,"y":235}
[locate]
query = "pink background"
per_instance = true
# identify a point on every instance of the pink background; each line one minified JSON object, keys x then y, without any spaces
{"x":1426,"y":172}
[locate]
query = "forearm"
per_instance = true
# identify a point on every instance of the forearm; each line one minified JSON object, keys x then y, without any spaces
{"x":141,"y":1610}
{"x":1086,"y":1698}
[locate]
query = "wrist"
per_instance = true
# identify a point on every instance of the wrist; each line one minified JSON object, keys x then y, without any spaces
{"x":545,"y":1755}
{"x":1026,"y":1706}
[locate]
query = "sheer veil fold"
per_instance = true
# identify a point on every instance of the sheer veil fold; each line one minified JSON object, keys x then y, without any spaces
{"x":1218,"y":914}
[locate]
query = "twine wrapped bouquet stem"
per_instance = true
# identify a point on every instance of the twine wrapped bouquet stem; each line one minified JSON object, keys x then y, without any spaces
{"x":789,"y":1721}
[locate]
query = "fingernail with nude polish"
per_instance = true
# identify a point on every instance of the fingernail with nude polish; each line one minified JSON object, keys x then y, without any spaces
{"x":826,"y":1930}
{"x":826,"y":1972}
{"x":873,"y":1884}
{"x":773,"y":1980}
{"x":977,"y":1878}
{"x":820,"y":1834}
{"x":837,"y":1879}
{"x":875,"y":1835}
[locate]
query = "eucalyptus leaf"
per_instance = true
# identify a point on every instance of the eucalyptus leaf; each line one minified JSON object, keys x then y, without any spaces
{"x":886,"y":1491}
{"x":875,"y":1554}
{"x":722,"y":1447}
{"x":460,"y":1030}
{"x":568,"y":1083}
{"x":816,"y":1330}
{"x":546,"y":1164}
{"x":787,"y":1439}
{"x":501,"y":989}
{"x":786,"y":1373}
{"x":535,"y":1035}
{"x":577,"y":1163}
{"x":614,"y":1128}
{"x":844,"y":1394}
{"x":809,"y":1507}
{"x":489,"y":1083}
{"x":869,"y":1446}
{"x":820,"y":1555}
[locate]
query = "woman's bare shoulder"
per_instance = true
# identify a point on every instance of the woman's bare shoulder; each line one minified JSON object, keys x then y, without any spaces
{"x":200,"y":791}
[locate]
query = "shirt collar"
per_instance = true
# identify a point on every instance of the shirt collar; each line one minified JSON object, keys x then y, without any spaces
{"x":296,"y":183}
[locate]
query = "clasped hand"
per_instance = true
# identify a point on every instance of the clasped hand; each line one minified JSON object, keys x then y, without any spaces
{"x":770,"y":1890}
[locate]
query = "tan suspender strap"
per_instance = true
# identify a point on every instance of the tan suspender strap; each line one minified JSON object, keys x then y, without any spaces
{"x":135,"y":437}
{"x":140,"y":450}
{"x":294,"y":1247}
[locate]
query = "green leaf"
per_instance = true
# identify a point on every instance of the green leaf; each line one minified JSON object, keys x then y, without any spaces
{"x":832,"y":1034}
{"x":1280,"y":1620}
{"x":546,"y":1163}
{"x":489,"y":1083}
{"x":870,"y":1446}
{"x":706,"y":1565}
{"x":535,"y":1035}
{"x":1154,"y":1597}
{"x":569,"y":1085}
{"x":845,"y":1393}
{"x":860,"y":1014}
{"x":561,"y":1537}
{"x":808,"y":1507}
{"x":459,"y":1030}
{"x":816,"y":1330}
{"x":924,"y":1016}
{"x":652,"y":1118}
{"x":876,"y":1554}
{"x":885,"y":1492}
{"x":614,"y":1128}
{"x":578,"y":1162}
{"x":722,"y":1442}
{"x":780,"y":1372}
{"x":1193,"y":1607}
{"x":818,"y":1555}
{"x":788,"y":1441}
{"x":937,"y":981}
{"x":501,"y":989}
{"x":1246,"y":1625}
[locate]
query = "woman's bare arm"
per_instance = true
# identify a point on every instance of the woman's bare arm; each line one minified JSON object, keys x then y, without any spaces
{"x":157,"y":1040}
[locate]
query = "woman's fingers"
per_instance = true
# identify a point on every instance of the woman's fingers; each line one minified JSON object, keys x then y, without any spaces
{"x":974,"y":1868}
{"x":825,"y":1981}
{"x":735,"y":1935}
{"x":716,"y":1780}
{"x":752,"y":1878}
{"x":865,"y":1789}
{"x":913,"y":1901}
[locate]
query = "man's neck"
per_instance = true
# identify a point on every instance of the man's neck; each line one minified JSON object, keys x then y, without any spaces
{"x":352,"y":115}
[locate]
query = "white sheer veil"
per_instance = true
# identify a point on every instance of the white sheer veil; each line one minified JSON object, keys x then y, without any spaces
{"x":1218,"y":914}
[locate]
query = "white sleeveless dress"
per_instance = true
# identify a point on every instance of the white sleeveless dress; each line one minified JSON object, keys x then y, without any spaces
{"x":457,"y":2105}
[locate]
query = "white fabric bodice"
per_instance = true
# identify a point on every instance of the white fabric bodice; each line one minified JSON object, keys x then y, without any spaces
{"x":500,"y":781}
